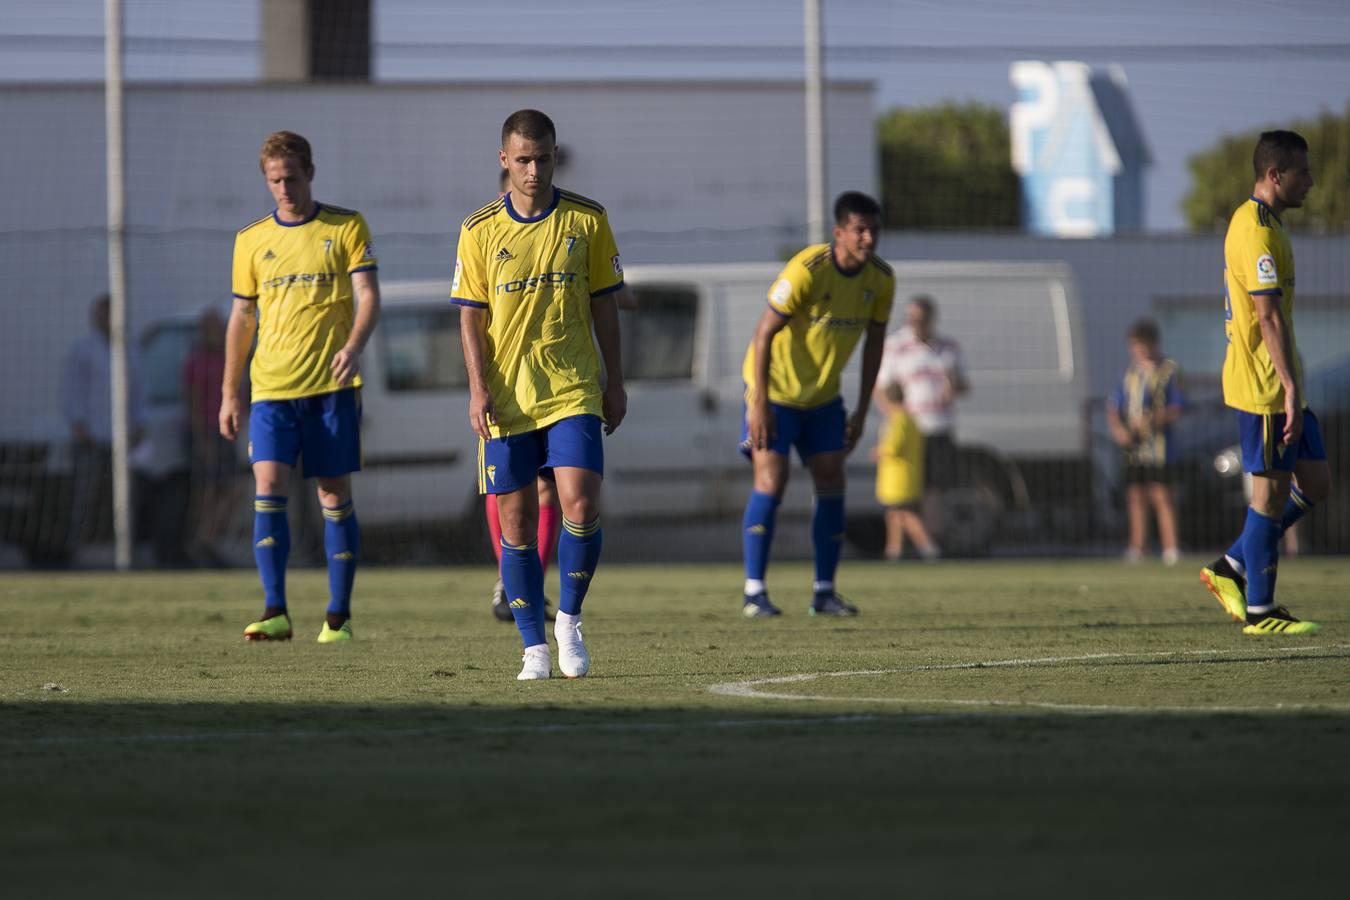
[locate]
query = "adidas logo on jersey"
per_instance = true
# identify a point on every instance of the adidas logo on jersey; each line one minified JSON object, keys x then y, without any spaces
{"x":503,"y":255}
{"x":269,"y":255}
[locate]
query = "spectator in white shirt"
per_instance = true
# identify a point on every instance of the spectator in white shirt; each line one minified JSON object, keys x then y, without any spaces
{"x":929,"y":369}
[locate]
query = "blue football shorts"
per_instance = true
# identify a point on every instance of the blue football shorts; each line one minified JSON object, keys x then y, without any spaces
{"x":513,"y":462}
{"x":811,"y":431}
{"x":1259,"y":435}
{"x":324,"y":431}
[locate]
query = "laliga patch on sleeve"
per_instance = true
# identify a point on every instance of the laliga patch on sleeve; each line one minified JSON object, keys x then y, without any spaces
{"x":1265,"y":269}
{"x":618,"y":266}
{"x":782,"y":292}
{"x":454,"y":285}
{"x":370,"y":252}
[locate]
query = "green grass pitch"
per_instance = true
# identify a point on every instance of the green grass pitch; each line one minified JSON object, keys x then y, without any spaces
{"x":1076,"y":729}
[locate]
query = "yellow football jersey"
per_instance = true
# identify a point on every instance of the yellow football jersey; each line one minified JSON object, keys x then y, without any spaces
{"x":536,"y":276}
{"x":827,"y":311}
{"x":900,"y":461}
{"x":300,"y":275}
{"x":1257,"y":260}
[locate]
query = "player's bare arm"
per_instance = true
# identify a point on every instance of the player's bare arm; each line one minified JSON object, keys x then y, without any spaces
{"x":473,"y":338}
{"x":758,"y":417}
{"x":871,"y":364}
{"x":1275,"y":335}
{"x":239,"y":332}
{"x":605,"y":315}
{"x":625,"y":299}
{"x":347,"y":361}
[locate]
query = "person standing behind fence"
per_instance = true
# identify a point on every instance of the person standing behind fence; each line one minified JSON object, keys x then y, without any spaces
{"x":212,"y":463}
{"x":930,"y":370}
{"x":899,"y":458}
{"x":1141,"y":413}
{"x":86,"y":402}
{"x":305,"y":284}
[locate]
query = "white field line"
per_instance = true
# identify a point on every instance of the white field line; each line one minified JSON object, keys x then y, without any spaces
{"x":432,"y":731}
{"x":750,"y":688}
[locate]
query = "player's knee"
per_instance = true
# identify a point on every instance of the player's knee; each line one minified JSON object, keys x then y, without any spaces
{"x":333,"y":491}
{"x":582,"y":509}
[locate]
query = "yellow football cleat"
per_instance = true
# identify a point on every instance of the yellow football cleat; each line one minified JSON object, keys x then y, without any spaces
{"x":277,"y":628}
{"x":1228,"y":588}
{"x":334,"y":635}
{"x":1278,"y":621}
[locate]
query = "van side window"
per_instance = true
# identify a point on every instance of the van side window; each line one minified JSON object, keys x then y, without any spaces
{"x":421,"y":349}
{"x":658,"y":339}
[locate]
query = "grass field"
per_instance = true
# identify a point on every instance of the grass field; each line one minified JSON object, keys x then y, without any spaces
{"x":1007,"y":729}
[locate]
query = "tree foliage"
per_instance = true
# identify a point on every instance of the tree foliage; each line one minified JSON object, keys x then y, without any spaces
{"x":1221,"y":177}
{"x":947,"y":166}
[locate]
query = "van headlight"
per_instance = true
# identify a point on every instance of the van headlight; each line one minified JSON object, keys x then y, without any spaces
{"x":1228,"y":462}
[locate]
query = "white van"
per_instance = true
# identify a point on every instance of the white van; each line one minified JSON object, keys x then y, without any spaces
{"x":675,"y":463}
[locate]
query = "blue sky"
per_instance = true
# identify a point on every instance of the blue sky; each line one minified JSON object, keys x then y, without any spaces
{"x":1197,"y":69}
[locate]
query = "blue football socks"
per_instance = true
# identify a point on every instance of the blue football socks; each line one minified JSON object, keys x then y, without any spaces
{"x":1295,"y":508}
{"x":342,"y":545}
{"x":1261,"y":554}
{"x":271,"y":547}
{"x":578,"y":554}
{"x":761,"y":513}
{"x":827,"y":535}
{"x":523,"y":579}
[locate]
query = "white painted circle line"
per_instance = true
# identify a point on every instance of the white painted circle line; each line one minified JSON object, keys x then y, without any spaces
{"x":750,"y":688}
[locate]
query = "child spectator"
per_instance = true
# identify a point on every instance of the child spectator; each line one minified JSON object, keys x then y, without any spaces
{"x":900,"y":459}
{"x":1140,"y":415}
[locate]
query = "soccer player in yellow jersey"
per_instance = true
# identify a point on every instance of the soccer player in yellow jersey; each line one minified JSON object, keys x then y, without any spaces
{"x":827,"y":297}
{"x":1263,"y":381}
{"x":537,"y":277}
{"x":305,"y":285}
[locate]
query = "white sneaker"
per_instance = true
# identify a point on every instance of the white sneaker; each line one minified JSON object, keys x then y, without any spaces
{"x":538,"y":664}
{"x":573,"y":659}
{"x":1171,"y":556}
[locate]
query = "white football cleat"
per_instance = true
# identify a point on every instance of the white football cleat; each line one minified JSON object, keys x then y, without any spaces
{"x":538,"y":664}
{"x":573,"y":659}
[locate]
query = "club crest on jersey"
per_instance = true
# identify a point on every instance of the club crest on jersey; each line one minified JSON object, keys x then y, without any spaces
{"x":1265,"y":269}
{"x":492,"y":474}
{"x":570,"y":241}
{"x":327,"y":246}
{"x":503,"y":255}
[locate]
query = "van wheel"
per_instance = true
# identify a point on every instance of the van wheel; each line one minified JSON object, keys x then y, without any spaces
{"x":968,"y":515}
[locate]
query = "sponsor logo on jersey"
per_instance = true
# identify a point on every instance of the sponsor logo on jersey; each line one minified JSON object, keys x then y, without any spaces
{"x":530,"y":282}
{"x":1265,"y":269}
{"x":504,"y":255}
{"x":306,"y":279}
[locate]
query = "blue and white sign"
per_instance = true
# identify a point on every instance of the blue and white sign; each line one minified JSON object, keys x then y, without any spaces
{"x":1077,"y":147}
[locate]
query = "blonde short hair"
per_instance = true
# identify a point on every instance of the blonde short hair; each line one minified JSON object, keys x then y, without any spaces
{"x":283,"y":144}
